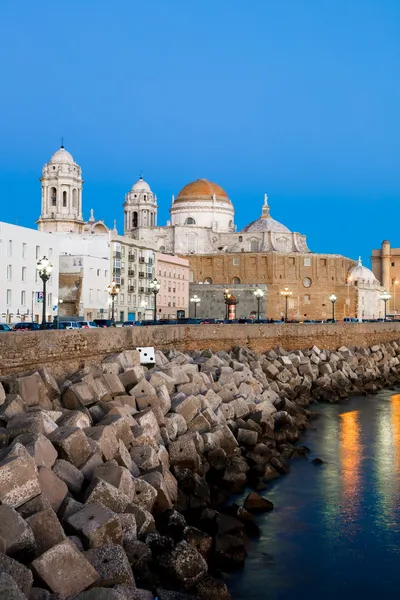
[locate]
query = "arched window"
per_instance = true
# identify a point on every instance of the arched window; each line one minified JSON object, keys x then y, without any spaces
{"x":134,"y":219}
{"x":230,"y":224}
{"x":75,"y":198}
{"x":144,"y":197}
{"x":254,"y":246}
{"x":64,"y":199}
{"x":192,"y":244}
{"x":190,"y":221}
{"x":162,"y":248}
{"x":53,"y":196}
{"x":208,"y":280}
{"x":236,"y":280}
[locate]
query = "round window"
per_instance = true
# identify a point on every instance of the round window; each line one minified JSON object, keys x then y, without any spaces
{"x":306,"y":282}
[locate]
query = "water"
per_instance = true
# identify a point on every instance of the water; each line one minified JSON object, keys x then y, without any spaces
{"x":335,"y":531}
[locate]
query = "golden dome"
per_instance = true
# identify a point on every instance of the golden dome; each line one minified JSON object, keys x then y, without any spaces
{"x":202,"y":190}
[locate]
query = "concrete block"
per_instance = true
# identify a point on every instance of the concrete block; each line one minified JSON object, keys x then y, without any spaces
{"x":131,"y":377}
{"x":146,"y":419}
{"x":14,"y":405}
{"x":163,"y":500}
{"x":70,"y":475}
{"x":39,"y":447}
{"x":119,"y":477}
{"x":100,"y":491}
{"x":74,"y":418}
{"x":122,"y":456}
{"x":183,"y":452}
{"x":105,"y":436}
{"x":246,"y":437}
{"x":188,"y":407}
{"x":97,"y":525}
{"x":120,"y":426}
{"x":112,"y":565}
{"x":88,"y":467}
{"x":65,"y":570}
{"x":145,"y":494}
{"x":33,"y":391}
{"x":18,"y":481}
{"x":46,"y":529}
{"x":200,"y":423}
{"x":114,"y":383}
{"x":71,"y":445}
{"x":77,"y":395}
{"x":16,"y":534}
{"x":53,"y":488}
{"x":145,"y":457}
{"x":144,"y":520}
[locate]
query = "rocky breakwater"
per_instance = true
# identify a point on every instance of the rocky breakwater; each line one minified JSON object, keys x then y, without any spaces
{"x":115,"y":484}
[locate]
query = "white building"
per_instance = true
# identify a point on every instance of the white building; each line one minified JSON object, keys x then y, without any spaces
{"x":83,"y":286}
{"x":20,"y":285}
{"x":369,"y":289}
{"x":202,"y":222}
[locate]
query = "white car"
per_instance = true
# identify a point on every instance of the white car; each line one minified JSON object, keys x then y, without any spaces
{"x":87,"y":324}
{"x":71,"y":325}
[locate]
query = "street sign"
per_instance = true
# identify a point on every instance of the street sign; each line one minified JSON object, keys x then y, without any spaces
{"x":39,"y":296}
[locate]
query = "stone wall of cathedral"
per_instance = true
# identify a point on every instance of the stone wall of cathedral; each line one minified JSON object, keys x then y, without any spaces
{"x":311,"y":278}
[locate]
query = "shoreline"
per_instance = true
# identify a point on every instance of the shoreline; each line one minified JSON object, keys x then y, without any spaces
{"x":158,"y":454}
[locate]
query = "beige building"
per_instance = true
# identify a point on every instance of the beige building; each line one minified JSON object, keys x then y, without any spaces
{"x":386,"y":268}
{"x":173,"y":297}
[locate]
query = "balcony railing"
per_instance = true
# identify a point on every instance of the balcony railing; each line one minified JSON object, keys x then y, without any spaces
{"x":117,"y":254}
{"x":131,"y":257}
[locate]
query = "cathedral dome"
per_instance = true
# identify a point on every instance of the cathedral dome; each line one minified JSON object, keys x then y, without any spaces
{"x":360,"y":273}
{"x":141,"y":186}
{"x":202,"y":190}
{"x":62,"y":156}
{"x":265,"y":224}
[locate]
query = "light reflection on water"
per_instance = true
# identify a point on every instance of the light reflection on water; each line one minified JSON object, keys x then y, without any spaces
{"x":335,"y":530}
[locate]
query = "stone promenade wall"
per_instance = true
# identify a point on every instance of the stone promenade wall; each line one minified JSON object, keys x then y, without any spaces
{"x":65,"y":351}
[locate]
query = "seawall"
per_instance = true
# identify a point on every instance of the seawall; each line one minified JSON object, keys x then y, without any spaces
{"x":65,"y":351}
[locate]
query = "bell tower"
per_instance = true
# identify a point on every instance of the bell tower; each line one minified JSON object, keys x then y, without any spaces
{"x":140,"y":207}
{"x":61,"y":195}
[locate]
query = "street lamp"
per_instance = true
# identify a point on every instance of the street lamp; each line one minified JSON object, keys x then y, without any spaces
{"x":113,"y":291}
{"x":259,"y":293}
{"x":395,"y":282}
{"x":155,"y":288}
{"x":227,"y":296}
{"x":333,"y":299}
{"x":385,"y":296}
{"x":286,"y":293}
{"x":195,"y":300}
{"x":44,"y":268}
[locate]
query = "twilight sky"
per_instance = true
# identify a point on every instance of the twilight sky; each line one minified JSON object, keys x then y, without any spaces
{"x":297,"y":98}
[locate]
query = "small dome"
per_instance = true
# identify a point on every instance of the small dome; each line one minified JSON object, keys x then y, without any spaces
{"x":141,"y":186}
{"x":360,"y":273}
{"x":202,"y":190}
{"x":62,"y":156}
{"x":265,"y":224}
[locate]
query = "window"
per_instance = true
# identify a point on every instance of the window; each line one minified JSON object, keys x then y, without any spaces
{"x":75,"y":198}
{"x":236,"y":262}
{"x":191,"y":241}
{"x":9,"y":272}
{"x":162,"y":248}
{"x":393,"y":264}
{"x":53,"y":196}
{"x":122,"y":250}
{"x":98,"y":272}
{"x":190,"y":221}
{"x":230,"y":224}
{"x":122,"y":296}
{"x":307,"y":299}
{"x":8,"y":297}
{"x":129,"y":299}
{"x":106,"y":273}
{"x":9,"y":248}
{"x":322,"y":262}
{"x":254,"y":246}
{"x":291,"y":260}
{"x":98,"y":296}
{"x":64,"y":199}
{"x":23,"y":250}
{"x":90,"y":295}
{"x":37,"y":252}
{"x":307,"y":262}
{"x":135,"y":219}
{"x":23,"y":298}
{"x":236,"y":280}
{"x":240,"y":238}
{"x":23,"y":273}
{"x":208,"y":280}
{"x":91,"y":271}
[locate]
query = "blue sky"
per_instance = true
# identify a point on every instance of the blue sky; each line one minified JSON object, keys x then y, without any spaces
{"x":297,"y":98}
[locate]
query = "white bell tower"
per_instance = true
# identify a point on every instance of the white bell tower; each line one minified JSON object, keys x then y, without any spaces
{"x":140,"y":208}
{"x":61,"y":195}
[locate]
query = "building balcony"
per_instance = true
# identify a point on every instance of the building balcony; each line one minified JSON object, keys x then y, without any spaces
{"x":149,"y":275}
{"x":131,"y":273}
{"x":117,"y":254}
{"x":131,"y":257}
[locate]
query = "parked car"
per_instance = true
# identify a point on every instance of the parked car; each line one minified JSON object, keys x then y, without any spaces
{"x":187,"y":321}
{"x":72,"y":325}
{"x":27,"y":326}
{"x":103,"y":322}
{"x":260,"y":321}
{"x":88,"y":324}
{"x":350,"y":320}
{"x":5,"y":327}
{"x":128,"y":323}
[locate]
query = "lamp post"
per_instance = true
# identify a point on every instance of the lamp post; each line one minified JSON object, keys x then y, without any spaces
{"x":155,"y":288}
{"x":385,"y":296}
{"x":333,"y":299}
{"x":349,"y":280}
{"x":286,"y":293}
{"x":259,"y":293}
{"x":113,"y":291}
{"x":395,"y":282}
{"x":227,"y":296}
{"x":195,"y":301}
{"x":44,"y":268}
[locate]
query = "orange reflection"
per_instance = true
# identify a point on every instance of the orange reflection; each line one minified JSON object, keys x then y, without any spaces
{"x":350,"y":460}
{"x":395,"y":417}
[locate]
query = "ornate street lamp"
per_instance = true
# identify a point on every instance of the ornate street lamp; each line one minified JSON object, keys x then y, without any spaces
{"x":44,"y":268}
{"x":227,"y":297}
{"x":385,"y":296}
{"x":259,"y":293}
{"x":155,"y":288}
{"x":333,"y":299}
{"x":286,"y":293}
{"x":113,"y":291}
{"x":195,"y":300}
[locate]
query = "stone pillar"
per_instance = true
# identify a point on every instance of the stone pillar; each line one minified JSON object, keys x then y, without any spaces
{"x":386,"y":265}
